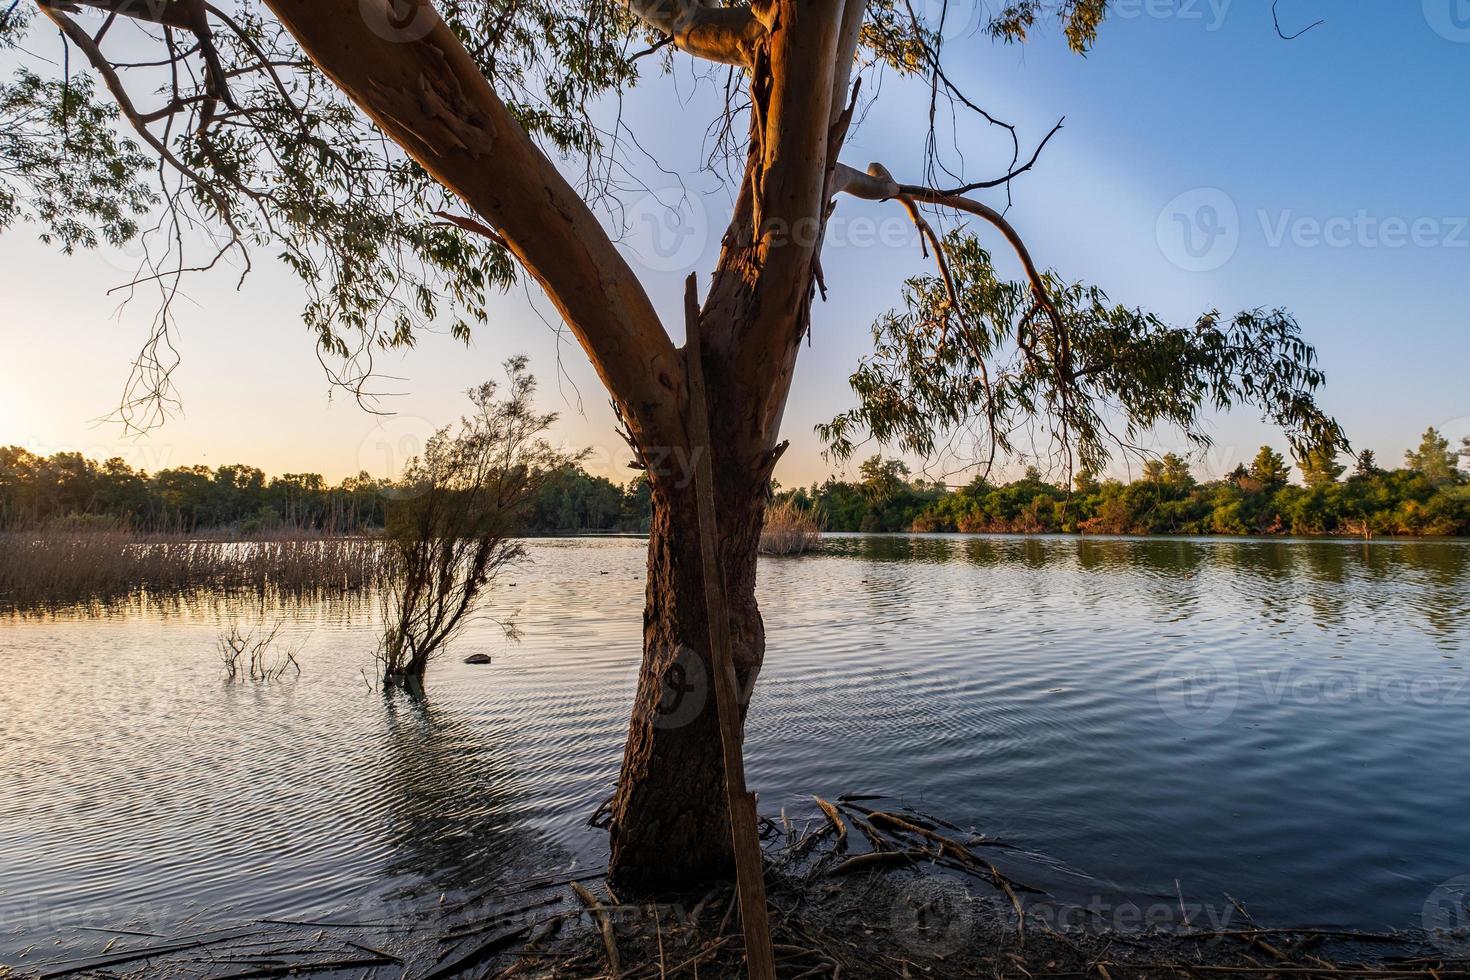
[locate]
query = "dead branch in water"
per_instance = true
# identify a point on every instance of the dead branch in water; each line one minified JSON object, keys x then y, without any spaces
{"x":248,"y":653}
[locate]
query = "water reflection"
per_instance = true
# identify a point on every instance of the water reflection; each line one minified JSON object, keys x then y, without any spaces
{"x":452,"y":819}
{"x":1010,"y":684}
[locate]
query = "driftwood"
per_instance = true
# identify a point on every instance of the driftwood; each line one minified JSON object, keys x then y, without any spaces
{"x":875,"y":860}
{"x":835,"y":816}
{"x":740,"y":804}
{"x":133,"y":956}
{"x":480,"y":953}
{"x":288,"y":969}
{"x":604,"y":923}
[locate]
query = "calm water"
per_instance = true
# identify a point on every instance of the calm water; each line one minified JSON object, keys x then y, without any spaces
{"x":1283,"y":721}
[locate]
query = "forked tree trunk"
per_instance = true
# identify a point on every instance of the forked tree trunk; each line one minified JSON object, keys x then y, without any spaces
{"x":669,"y":822}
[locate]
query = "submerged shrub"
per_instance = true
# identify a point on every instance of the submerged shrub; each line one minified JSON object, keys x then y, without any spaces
{"x":452,"y":521}
{"x":250,"y":652}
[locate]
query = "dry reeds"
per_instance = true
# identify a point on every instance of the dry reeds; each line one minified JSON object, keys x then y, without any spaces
{"x":53,"y":567}
{"x":790,"y":529}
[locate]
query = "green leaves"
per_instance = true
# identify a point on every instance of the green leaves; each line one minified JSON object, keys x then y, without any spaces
{"x":1080,"y":20}
{"x":976,"y":365}
{"x":63,"y":167}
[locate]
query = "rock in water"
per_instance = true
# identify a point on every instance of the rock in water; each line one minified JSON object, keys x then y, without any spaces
{"x":479,"y":658}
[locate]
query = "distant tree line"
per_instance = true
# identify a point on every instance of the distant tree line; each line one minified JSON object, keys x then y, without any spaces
{"x":69,"y":488}
{"x":1428,"y":495}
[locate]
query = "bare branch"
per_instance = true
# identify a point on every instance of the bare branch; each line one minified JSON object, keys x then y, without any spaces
{"x":471,"y":225}
{"x":1015,"y":172}
{"x":878,"y":185}
{"x":1276,"y":20}
{"x":169,"y":13}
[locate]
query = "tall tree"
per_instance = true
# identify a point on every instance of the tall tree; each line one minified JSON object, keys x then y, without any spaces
{"x":1320,"y":468}
{"x":395,"y":154}
{"x":882,"y":478}
{"x":1433,"y":460}
{"x":1269,"y":469}
{"x":1171,"y":470}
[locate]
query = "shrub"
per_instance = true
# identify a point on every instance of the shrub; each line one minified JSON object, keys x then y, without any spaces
{"x":451,"y":524}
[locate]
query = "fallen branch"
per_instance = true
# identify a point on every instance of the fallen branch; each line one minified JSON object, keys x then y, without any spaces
{"x":604,"y":922}
{"x":480,"y":953}
{"x":877,"y":860}
{"x":836,"y":818}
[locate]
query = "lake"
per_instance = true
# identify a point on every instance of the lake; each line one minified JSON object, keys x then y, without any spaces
{"x":1282,"y":721}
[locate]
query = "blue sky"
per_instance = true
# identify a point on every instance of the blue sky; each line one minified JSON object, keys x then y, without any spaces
{"x":1326,"y":175}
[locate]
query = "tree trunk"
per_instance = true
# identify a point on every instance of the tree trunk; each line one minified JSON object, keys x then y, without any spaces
{"x":669,"y":822}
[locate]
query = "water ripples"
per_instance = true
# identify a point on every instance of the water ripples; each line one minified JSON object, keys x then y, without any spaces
{"x":1309,"y":762}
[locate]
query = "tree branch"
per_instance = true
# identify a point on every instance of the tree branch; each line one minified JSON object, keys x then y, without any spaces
{"x":84,"y":43}
{"x":878,"y":185}
{"x":169,"y":13}
{"x":1015,"y":172}
{"x":425,"y":92}
{"x":1276,"y":22}
{"x":727,"y":35}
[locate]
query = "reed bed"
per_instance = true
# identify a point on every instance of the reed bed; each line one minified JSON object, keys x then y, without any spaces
{"x":790,"y":529}
{"x":52,"y":567}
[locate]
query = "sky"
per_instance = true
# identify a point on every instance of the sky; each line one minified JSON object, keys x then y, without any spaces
{"x":1205,"y":163}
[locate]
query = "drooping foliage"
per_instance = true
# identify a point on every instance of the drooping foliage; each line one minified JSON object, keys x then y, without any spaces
{"x":237,"y":144}
{"x":64,"y":167}
{"x":254,"y":147}
{"x":973,"y":360}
